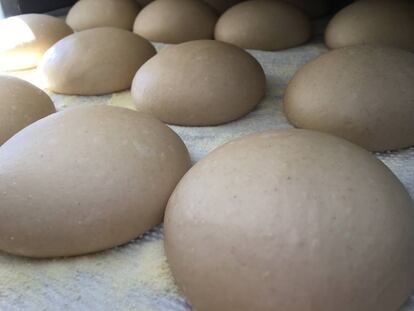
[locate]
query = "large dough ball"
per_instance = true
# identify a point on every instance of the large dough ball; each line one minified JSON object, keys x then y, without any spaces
{"x":362,"y":93}
{"x":21,"y":104}
{"x":263,"y":25}
{"x":95,"y":61}
{"x":199,"y":83}
{"x":87,"y":14}
{"x":176,"y":21}
{"x":86,"y":179}
{"x":314,"y":8}
{"x":291,"y":220}
{"x":388,"y":22}
{"x":25,"y":38}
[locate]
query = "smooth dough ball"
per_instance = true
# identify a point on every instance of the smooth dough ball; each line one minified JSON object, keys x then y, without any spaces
{"x":314,"y":8}
{"x":362,"y":93}
{"x":222,"y":5}
{"x":86,"y":179}
{"x":387,"y":22}
{"x":25,"y":38}
{"x":21,"y":104}
{"x":86,"y":14}
{"x":263,"y":25}
{"x":94,"y":61}
{"x":199,"y":83}
{"x":176,"y":21}
{"x":294,"y":220}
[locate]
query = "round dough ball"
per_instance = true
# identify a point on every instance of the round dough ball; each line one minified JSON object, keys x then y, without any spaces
{"x":86,"y":14}
{"x":176,"y":21}
{"x":25,"y":38}
{"x":295,"y":219}
{"x":86,"y":179}
{"x":21,"y":104}
{"x":314,"y":8}
{"x":199,"y":83}
{"x":362,"y":93}
{"x":387,"y":22}
{"x":94,"y":61}
{"x":222,"y":5}
{"x":263,"y":25}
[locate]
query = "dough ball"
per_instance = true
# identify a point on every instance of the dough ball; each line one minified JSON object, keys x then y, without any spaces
{"x":86,"y":179}
{"x":362,"y":93}
{"x":21,"y":104}
{"x":86,"y":14}
{"x":95,"y":61}
{"x":176,"y":21}
{"x":222,"y":5}
{"x":25,"y":38}
{"x":387,"y":22}
{"x":314,"y":8}
{"x":199,"y":83}
{"x":268,"y":25}
{"x":295,"y":219}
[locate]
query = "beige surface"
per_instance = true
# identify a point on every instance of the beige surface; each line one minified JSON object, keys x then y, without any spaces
{"x":135,"y":276}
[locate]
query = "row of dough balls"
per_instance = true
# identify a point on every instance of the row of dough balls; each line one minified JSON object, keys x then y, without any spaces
{"x":168,"y":85}
{"x":260,"y":24}
{"x":250,"y":226}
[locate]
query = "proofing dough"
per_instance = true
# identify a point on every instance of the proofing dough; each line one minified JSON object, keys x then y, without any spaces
{"x":21,"y":104}
{"x":388,"y":22}
{"x":199,"y":83}
{"x":86,"y":14}
{"x":25,"y":38}
{"x":95,"y":61}
{"x":363,"y":93}
{"x":176,"y":21}
{"x":86,"y":179}
{"x":291,"y":220}
{"x":268,"y":25}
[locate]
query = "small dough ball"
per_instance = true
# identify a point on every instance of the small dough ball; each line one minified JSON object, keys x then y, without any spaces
{"x":176,"y":21}
{"x":199,"y":83}
{"x":222,"y":5}
{"x":95,"y":61}
{"x":314,"y":8}
{"x":363,"y":93}
{"x":386,"y":22}
{"x":268,"y":25}
{"x":291,"y":220}
{"x":86,"y":179}
{"x":86,"y":14}
{"x":21,"y":104}
{"x":25,"y":38}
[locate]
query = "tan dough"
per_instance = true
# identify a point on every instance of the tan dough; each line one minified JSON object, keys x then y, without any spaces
{"x":291,"y":220}
{"x":21,"y":104}
{"x":199,"y":83}
{"x":268,"y":25}
{"x":176,"y":21}
{"x":388,"y":22}
{"x":95,"y":61}
{"x":363,"y":93}
{"x":25,"y":38}
{"x":86,"y":14}
{"x":86,"y":179}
